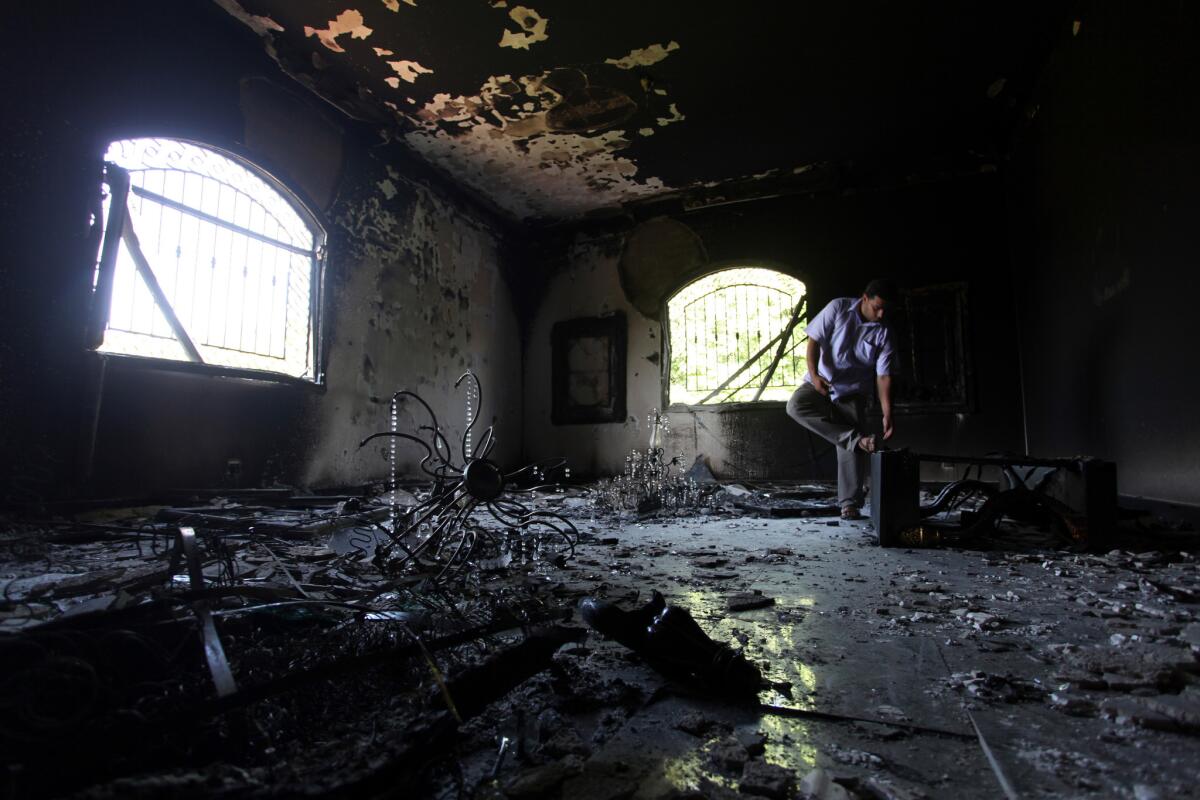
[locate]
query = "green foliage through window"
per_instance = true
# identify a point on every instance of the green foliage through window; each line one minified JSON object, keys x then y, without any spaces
{"x":727,"y":329}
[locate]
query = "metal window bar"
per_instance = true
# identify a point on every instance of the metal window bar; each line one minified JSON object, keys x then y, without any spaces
{"x":129,"y":237}
{"x":781,"y":337}
{"x":263,"y":308}
{"x":118,"y":185}
{"x":724,"y":331}
{"x":244,"y":312}
{"x":795,"y":343}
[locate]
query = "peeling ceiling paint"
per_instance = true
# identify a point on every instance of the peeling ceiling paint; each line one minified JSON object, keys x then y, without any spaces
{"x":644,"y":57}
{"x":628,"y":100}
{"x":553,"y":120}
{"x":349,"y":21}
{"x":544,"y":144}
{"x":675,"y":116}
{"x":573,"y":169}
{"x":533,"y":29}
{"x":407,"y":70}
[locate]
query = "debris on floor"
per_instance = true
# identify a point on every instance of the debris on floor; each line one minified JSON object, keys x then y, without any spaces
{"x":270,"y":655}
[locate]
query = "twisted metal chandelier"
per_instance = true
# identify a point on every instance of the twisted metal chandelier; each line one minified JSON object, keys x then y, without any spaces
{"x":442,"y":530}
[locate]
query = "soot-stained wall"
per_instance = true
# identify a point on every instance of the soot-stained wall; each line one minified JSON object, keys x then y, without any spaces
{"x":414,"y":292}
{"x":1105,"y":214}
{"x":920,"y":235}
{"x":420,"y":300}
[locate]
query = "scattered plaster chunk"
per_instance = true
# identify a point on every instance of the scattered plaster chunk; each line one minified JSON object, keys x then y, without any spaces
{"x":646,"y":131}
{"x":349,"y":21}
{"x":381,"y":52}
{"x":392,"y":82}
{"x":675,"y":116}
{"x":260,"y":25}
{"x":819,"y":783}
{"x":408,"y":70}
{"x":532,"y":24}
{"x":394,"y":5}
{"x":644,"y":57}
{"x":388,"y":188}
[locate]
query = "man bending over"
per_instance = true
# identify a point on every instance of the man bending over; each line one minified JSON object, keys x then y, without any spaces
{"x":849,"y":348}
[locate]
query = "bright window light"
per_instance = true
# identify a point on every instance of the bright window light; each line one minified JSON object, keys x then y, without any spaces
{"x":229,"y":248}
{"x":737,"y":336}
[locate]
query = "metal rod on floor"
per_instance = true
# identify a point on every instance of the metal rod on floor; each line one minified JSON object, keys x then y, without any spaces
{"x":826,"y":716}
{"x":1005,"y":785}
{"x":1001,"y":778}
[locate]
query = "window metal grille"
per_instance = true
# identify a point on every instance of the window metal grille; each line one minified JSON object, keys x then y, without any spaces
{"x":736,"y":336}
{"x":215,"y":263}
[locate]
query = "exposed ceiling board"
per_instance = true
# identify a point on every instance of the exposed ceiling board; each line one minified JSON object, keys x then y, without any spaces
{"x":555,"y":109}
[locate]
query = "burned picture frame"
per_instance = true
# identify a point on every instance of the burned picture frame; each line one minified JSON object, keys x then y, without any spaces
{"x":588,"y":370}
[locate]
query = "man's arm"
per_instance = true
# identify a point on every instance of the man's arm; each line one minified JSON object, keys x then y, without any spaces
{"x":885,"y":366}
{"x":818,"y":331}
{"x":884,"y":384}
{"x":814,"y":358}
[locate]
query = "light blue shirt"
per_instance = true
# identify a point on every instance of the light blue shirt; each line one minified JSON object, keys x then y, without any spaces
{"x":853,"y":351}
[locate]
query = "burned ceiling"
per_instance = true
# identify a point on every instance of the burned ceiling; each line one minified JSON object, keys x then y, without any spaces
{"x":556,"y":110}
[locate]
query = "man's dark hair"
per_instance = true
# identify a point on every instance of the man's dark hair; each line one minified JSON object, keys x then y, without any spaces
{"x":882,"y":288}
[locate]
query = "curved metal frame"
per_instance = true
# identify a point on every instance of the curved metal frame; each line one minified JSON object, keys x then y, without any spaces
{"x":453,"y":539}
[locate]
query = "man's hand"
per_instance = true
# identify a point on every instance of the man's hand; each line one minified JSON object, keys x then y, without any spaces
{"x":813,"y":354}
{"x":884,"y":384}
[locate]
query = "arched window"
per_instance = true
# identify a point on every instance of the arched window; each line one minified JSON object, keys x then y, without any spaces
{"x":736,"y":336}
{"x":206,"y":259}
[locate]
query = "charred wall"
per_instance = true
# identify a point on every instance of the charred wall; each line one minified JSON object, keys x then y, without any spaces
{"x":1105,"y":216}
{"x":920,"y":234}
{"x":414,"y":292}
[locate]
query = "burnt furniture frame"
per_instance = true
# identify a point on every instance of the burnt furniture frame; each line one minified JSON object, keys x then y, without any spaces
{"x":1079,"y":494}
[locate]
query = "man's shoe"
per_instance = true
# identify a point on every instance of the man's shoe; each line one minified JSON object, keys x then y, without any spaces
{"x":851,"y":512}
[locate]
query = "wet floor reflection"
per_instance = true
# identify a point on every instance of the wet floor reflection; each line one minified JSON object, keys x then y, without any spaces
{"x":692,"y":772}
{"x":791,"y":743}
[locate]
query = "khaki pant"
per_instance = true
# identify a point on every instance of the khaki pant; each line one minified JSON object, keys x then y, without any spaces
{"x":841,"y":423}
